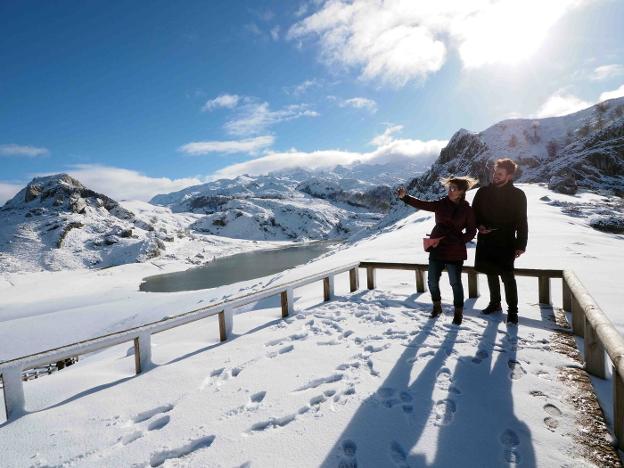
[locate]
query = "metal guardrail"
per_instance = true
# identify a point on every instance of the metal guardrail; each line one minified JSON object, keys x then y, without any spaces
{"x":588,"y":321}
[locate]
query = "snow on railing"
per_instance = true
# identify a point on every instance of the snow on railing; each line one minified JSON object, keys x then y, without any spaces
{"x":12,"y":370}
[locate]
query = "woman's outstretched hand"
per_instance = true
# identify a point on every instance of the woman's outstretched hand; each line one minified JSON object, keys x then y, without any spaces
{"x":401,"y":192}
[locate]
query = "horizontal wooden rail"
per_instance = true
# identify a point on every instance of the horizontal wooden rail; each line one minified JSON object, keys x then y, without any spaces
{"x":11,"y":370}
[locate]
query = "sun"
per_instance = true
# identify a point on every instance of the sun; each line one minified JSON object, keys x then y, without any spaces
{"x":507,"y":32}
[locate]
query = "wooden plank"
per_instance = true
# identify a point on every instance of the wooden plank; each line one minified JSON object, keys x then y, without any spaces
{"x":354,"y":280}
{"x":222,"y":329}
{"x":566,"y":299}
{"x":142,"y":353}
{"x":328,"y":288}
{"x":594,"y":352}
{"x":287,"y":302}
{"x":370,"y":277}
{"x":531,"y":272}
{"x":473,"y":284}
{"x":420,"y":281}
{"x":578,"y":318}
{"x":618,"y":408}
{"x":13,"y":390}
{"x":544,"y":290}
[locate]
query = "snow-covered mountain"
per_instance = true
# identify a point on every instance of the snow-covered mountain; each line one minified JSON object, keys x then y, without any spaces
{"x":287,"y":205}
{"x":56,"y":223}
{"x":584,"y":149}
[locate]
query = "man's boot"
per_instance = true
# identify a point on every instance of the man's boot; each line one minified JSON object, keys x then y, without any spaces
{"x":492,"y":308}
{"x":437,"y":309}
{"x":512,"y":316}
{"x":458,"y":316}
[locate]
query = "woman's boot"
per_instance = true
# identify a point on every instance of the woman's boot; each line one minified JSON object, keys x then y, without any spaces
{"x":437,"y":309}
{"x":459,"y":315}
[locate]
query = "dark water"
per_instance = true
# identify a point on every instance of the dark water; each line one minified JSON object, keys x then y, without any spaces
{"x":239,"y":267}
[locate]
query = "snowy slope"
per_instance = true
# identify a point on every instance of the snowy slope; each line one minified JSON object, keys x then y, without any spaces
{"x":365,"y":379}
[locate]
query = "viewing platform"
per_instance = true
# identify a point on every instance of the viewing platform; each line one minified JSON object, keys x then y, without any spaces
{"x":341,"y":368}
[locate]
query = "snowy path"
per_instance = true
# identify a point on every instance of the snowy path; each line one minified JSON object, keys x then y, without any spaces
{"x":364,"y":380}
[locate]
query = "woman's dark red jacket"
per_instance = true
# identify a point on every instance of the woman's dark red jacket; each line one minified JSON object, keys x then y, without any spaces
{"x":451,"y":220}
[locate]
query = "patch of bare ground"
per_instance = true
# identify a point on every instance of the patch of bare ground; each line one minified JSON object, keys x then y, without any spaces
{"x":595,"y":443}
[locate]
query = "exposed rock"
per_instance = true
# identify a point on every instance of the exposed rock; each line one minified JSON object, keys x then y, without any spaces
{"x":565,"y":183}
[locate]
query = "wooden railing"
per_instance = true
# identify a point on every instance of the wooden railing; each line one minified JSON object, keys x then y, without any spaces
{"x":588,"y":321}
{"x":12,"y":370}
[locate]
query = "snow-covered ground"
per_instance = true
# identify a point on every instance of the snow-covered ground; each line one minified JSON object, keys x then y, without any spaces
{"x":366,"y":379}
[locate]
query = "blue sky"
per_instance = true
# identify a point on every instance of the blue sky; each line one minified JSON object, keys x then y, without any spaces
{"x":137,"y":98}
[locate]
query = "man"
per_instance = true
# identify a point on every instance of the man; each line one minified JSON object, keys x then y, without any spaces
{"x":501,"y":215}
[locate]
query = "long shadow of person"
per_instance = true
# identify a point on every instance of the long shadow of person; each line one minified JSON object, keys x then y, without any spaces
{"x":485,"y":430}
{"x":398,"y":407}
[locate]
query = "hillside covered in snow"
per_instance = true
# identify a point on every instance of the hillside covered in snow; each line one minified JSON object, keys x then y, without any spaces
{"x":584,"y":149}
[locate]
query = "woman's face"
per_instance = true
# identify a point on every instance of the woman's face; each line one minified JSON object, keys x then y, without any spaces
{"x":454,"y":193}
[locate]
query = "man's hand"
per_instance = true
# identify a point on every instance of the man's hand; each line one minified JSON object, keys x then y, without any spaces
{"x":401,"y":192}
{"x":483,"y":230}
{"x":519,"y":252}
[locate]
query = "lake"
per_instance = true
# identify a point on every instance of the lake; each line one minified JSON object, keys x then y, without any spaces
{"x":235,"y":268}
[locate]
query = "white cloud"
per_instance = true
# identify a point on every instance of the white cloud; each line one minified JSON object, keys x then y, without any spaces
{"x":391,"y":151}
{"x":386,"y":137}
{"x":301,"y":88}
{"x":397,"y":41}
{"x":8,"y":191}
{"x":275,"y":33}
{"x":605,"y":72}
{"x":256,"y":117}
{"x":125,"y":184}
{"x":228,"y":101}
{"x":616,"y":93}
{"x":22,"y":150}
{"x":249,"y":145}
{"x":360,"y":103}
{"x":561,"y":104}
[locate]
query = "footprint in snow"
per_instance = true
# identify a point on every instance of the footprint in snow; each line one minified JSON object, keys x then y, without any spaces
{"x":398,"y":455}
{"x":159,"y":423}
{"x":445,"y":411}
{"x":517,"y":371}
{"x":510,"y":441}
{"x":480,"y":356}
{"x":145,"y":415}
{"x":551,"y":421}
{"x":348,"y":449}
{"x":159,"y":458}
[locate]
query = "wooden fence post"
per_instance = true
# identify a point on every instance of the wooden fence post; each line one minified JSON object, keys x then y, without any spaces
{"x":567,"y":296}
{"x":13,"y":388}
{"x":370,"y":277}
{"x":473,"y":284}
{"x":328,"y":288}
{"x":544,"y":290}
{"x":578,"y":318}
{"x":420,"y":280}
{"x":594,"y":352}
{"x":142,"y":352}
{"x":354,"y":279}
{"x":618,"y":408}
{"x":226,"y":323}
{"x":287,"y":302}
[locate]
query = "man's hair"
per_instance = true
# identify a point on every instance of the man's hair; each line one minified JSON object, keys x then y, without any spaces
{"x":463,"y":183}
{"x":508,"y":164}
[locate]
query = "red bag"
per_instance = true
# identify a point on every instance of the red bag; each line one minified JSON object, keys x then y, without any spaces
{"x":431,"y":243}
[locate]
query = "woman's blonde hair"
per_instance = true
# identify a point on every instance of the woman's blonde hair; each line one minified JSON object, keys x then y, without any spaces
{"x":463,"y":183}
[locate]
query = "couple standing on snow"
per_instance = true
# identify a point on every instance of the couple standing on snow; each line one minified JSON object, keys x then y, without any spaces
{"x":499,"y":213}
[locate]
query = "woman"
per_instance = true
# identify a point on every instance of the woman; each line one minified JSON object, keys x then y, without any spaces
{"x":453,"y":215}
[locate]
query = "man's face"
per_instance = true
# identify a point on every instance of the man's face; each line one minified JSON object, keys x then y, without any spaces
{"x":500,"y":177}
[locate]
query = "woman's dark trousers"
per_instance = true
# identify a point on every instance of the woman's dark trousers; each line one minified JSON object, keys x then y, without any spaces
{"x":454,"y":270}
